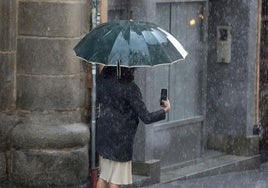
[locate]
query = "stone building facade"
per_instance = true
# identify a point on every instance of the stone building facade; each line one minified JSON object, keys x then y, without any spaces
{"x":215,"y":104}
{"x":232,"y":92}
{"x":43,"y":137}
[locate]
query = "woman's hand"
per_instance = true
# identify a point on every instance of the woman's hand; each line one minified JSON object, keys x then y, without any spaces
{"x":166,"y":105}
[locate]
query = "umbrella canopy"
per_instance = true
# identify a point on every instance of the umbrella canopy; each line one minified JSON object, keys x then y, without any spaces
{"x":133,"y":43}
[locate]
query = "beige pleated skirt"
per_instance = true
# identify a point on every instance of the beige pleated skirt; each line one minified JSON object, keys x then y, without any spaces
{"x":119,"y":173}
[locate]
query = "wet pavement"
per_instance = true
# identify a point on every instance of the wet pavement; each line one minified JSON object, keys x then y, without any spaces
{"x":246,"y":179}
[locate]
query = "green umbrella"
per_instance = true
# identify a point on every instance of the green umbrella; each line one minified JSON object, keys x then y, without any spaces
{"x":134,"y":43}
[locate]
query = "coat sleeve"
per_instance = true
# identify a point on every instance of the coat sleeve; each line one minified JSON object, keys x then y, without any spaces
{"x":140,"y":108}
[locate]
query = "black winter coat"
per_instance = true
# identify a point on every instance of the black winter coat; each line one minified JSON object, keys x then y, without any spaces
{"x":121,"y":106}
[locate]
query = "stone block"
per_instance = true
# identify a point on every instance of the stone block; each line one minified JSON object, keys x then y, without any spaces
{"x":7,"y":123}
{"x":3,"y":174}
{"x":47,"y":56}
{"x":50,"y":168}
{"x":7,"y":79}
{"x":219,"y":142}
{"x":53,"y":18}
{"x":264,"y":166}
{"x":149,"y":168}
{"x":235,"y":145}
{"x":40,"y":136}
{"x":247,"y":146}
{"x":50,"y":92}
{"x":182,"y":139}
{"x":8,"y":25}
{"x":51,"y":117}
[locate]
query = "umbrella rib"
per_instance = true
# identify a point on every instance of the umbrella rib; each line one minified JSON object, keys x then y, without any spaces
{"x":121,"y":31}
{"x":146,"y":29}
{"x":183,"y":53}
{"x":174,"y":42}
{"x":164,"y":50}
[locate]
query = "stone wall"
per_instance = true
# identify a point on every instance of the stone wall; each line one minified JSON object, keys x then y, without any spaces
{"x":230,"y":98}
{"x":230,"y":91}
{"x":7,"y":78}
{"x":43,"y":140}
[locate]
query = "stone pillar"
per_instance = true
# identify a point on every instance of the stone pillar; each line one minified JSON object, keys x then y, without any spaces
{"x":230,"y":87}
{"x":44,"y":143}
{"x":7,"y":76}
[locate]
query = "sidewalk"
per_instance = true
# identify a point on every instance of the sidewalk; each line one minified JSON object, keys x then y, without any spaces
{"x":214,"y":165}
{"x":245,"y":179}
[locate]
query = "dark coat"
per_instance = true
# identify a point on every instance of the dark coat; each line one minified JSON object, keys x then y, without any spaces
{"x":121,"y":106}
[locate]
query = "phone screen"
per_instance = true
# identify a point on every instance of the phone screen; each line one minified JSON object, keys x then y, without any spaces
{"x":163,"y":96}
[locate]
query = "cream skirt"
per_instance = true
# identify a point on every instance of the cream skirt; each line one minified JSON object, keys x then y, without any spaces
{"x":119,"y":173}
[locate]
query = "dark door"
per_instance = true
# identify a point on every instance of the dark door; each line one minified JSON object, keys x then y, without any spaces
{"x":186,"y":21}
{"x":263,"y":105}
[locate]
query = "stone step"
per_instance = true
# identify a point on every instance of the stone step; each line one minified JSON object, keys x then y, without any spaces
{"x":211,"y":165}
{"x":139,"y":181}
{"x":264,"y":166}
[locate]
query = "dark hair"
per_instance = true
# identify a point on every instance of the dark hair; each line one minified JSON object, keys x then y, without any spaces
{"x":127,"y":74}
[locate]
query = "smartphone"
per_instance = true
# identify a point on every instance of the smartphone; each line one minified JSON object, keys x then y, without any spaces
{"x":163,"y":96}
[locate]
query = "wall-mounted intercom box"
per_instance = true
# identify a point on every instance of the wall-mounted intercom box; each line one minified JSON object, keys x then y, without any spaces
{"x":224,"y":41}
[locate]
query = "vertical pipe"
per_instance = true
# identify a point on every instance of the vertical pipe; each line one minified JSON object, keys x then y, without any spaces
{"x":94,"y":171}
{"x":93,"y":92}
{"x":257,"y":115}
{"x":93,"y":118}
{"x":94,"y":13}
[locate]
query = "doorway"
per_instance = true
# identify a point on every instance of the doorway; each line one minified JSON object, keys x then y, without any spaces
{"x":185,"y":21}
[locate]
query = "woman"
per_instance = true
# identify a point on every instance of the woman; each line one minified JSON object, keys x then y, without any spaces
{"x":121,"y":106}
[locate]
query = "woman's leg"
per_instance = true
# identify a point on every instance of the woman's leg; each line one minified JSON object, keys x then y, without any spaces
{"x":114,"y":186}
{"x":101,"y":183}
